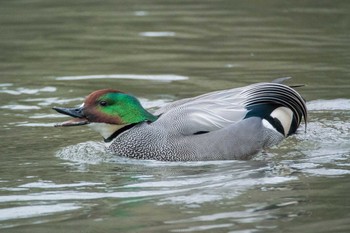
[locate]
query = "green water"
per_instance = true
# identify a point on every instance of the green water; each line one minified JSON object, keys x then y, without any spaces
{"x":61,"y":180}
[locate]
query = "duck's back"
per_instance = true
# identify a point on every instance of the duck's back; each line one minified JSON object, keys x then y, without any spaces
{"x":216,"y":110}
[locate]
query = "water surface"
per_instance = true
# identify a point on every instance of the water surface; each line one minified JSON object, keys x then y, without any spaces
{"x":53,"y":53}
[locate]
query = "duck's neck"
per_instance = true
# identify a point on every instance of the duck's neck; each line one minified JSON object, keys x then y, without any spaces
{"x":106,"y":130}
{"x":149,"y":116}
{"x":129,"y":110}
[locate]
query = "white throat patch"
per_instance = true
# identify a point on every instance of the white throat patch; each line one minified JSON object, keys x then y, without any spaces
{"x":106,"y":130}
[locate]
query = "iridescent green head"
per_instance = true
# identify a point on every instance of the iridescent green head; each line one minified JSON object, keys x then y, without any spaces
{"x":107,"y":106}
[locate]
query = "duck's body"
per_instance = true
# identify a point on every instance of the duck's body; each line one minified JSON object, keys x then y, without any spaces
{"x":222,"y":125}
{"x":154,"y":141}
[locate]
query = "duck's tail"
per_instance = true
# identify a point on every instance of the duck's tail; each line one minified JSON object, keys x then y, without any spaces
{"x":280,"y":107}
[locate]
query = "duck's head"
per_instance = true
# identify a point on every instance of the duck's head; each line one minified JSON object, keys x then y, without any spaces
{"x":106,"y":111}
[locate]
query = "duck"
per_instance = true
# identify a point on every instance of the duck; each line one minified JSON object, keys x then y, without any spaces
{"x":231,"y":124}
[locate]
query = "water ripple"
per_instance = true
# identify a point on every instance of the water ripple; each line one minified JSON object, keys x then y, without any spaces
{"x":334,"y":104}
{"x":35,"y":210}
{"x":28,"y":91}
{"x":162,"y":78}
{"x":157,"y":34}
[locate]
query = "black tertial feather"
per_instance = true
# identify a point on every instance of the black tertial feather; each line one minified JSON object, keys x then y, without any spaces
{"x":264,"y":111}
{"x":263,"y":98}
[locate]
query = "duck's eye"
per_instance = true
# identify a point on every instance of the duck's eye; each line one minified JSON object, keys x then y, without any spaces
{"x":103,"y":103}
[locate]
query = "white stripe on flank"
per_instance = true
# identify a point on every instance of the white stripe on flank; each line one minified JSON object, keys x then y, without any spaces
{"x":267,"y":124}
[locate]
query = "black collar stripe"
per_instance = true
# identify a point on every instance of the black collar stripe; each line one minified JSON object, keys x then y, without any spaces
{"x":119,"y":131}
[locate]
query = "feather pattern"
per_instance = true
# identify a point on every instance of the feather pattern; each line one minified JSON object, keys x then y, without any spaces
{"x":215,"y":110}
